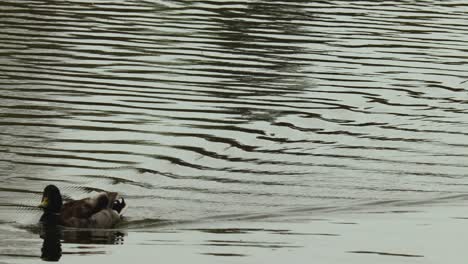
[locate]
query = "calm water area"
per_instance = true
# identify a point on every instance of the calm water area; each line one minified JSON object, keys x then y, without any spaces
{"x":238,"y":131}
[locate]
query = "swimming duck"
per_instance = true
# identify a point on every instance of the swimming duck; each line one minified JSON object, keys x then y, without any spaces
{"x":102,"y":211}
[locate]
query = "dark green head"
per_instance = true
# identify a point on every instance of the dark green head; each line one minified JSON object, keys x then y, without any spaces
{"x":51,"y":199}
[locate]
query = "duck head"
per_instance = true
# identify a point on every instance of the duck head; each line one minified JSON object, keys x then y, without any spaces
{"x":51,"y":200}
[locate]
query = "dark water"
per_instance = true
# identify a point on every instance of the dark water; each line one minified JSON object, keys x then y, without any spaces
{"x":212,"y":111}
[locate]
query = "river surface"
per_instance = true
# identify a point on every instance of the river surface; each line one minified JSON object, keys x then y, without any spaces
{"x":228,"y":113}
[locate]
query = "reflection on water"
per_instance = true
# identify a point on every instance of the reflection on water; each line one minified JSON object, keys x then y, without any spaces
{"x":93,"y":237}
{"x":51,"y":245}
{"x":200,"y":111}
{"x":53,"y":236}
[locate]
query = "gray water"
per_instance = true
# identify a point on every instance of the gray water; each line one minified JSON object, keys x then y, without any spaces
{"x":222,"y":111}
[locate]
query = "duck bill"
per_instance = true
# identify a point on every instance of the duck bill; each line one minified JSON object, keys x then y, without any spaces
{"x":44,"y":203}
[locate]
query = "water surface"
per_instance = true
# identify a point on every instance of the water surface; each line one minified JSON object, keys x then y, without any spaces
{"x":206,"y":112}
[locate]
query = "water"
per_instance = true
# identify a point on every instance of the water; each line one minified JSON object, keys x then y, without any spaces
{"x":204,"y":113}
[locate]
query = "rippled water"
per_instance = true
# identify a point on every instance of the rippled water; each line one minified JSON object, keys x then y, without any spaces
{"x":218,"y":110}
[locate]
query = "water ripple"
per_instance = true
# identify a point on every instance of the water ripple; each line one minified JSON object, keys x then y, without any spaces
{"x":208,"y":108}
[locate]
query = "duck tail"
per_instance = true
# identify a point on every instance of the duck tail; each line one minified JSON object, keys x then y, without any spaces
{"x":120,"y":206}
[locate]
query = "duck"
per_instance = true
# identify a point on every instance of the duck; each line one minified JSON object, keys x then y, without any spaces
{"x":105,"y":210}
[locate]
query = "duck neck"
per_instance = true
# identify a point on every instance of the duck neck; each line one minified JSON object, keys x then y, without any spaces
{"x":50,"y":218}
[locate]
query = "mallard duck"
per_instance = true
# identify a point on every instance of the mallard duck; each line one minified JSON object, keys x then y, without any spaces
{"x":102,"y":211}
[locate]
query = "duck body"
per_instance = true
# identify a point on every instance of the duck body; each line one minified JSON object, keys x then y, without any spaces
{"x":104,"y":210}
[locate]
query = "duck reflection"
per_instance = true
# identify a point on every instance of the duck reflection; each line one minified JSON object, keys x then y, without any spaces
{"x":51,"y":246}
{"x":54,"y":235}
{"x":109,"y":237}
